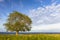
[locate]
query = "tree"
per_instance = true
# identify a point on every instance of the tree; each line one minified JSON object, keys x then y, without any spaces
{"x":18,"y":22}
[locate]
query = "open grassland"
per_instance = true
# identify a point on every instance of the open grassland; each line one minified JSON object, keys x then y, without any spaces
{"x":30,"y":37}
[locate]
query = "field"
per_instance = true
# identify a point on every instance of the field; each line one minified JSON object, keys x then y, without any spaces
{"x":30,"y":37}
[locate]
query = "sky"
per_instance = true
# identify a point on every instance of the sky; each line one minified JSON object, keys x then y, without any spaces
{"x":45,"y":14}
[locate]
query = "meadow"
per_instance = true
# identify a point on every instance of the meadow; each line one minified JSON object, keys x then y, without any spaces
{"x":30,"y":37}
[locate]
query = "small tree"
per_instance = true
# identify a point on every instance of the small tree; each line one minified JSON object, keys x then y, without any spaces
{"x":18,"y":22}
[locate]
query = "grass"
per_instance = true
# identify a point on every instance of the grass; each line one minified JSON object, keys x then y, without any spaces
{"x":30,"y":37}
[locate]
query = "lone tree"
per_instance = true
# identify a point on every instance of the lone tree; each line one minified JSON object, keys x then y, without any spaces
{"x":18,"y":22}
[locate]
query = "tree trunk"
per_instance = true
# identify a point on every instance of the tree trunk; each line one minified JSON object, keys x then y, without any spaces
{"x":17,"y":33}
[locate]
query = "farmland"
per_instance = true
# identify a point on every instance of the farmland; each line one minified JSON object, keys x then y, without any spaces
{"x":30,"y":37}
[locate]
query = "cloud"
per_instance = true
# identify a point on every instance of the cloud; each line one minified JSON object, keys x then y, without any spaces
{"x":47,"y":18}
{"x":46,"y":15}
{"x":47,"y":28}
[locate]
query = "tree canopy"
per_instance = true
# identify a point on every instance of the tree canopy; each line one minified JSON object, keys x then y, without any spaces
{"x":18,"y":22}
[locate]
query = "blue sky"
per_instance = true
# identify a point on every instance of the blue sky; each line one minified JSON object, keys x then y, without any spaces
{"x":45,"y":14}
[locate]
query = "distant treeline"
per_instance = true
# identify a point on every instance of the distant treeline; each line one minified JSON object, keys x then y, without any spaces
{"x":30,"y":33}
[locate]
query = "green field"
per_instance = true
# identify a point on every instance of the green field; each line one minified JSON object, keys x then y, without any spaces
{"x":30,"y":37}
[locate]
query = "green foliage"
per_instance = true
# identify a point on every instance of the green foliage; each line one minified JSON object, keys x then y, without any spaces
{"x":18,"y":22}
{"x":31,"y":37}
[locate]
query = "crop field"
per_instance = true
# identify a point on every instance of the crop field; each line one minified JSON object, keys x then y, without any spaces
{"x":30,"y":37}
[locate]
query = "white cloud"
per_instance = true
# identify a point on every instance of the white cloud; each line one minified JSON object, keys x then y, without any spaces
{"x":47,"y":28}
{"x":48,"y":17}
{"x":48,"y":14}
